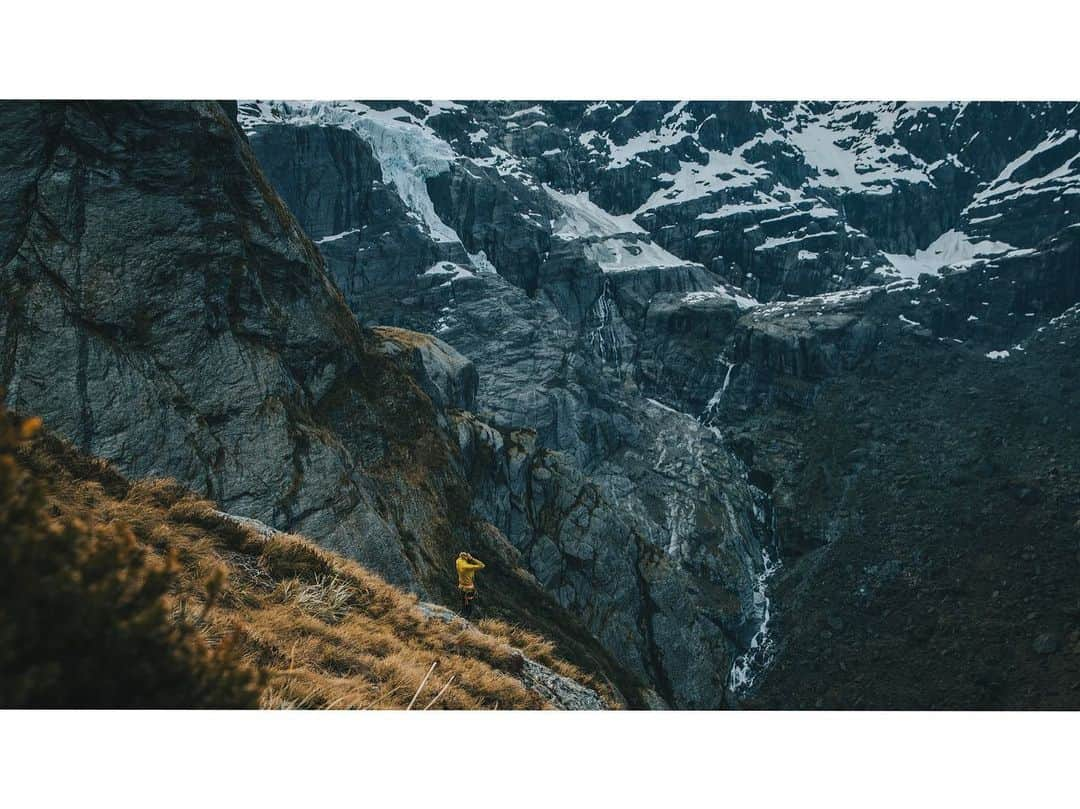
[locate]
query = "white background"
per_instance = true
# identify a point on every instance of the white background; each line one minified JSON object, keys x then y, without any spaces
{"x":541,"y":49}
{"x":710,"y":49}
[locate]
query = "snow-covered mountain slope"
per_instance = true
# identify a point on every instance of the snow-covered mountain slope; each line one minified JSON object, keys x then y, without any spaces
{"x":804,"y":197}
{"x":615,"y":267}
{"x":782,"y":198}
{"x":616,"y":219}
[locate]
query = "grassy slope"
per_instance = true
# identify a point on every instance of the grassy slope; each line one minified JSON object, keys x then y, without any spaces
{"x":325,"y":632}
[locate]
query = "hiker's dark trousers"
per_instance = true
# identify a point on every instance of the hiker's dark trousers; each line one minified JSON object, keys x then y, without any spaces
{"x":468,"y":600}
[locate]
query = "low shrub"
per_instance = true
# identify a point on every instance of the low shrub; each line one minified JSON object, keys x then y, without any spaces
{"x":84,"y":616}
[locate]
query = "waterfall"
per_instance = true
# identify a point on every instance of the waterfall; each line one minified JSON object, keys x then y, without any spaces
{"x":602,"y":337}
{"x":746,"y":668}
{"x":718,"y":396}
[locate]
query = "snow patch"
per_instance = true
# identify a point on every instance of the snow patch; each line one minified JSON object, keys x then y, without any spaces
{"x":534,"y":110}
{"x":583,"y":218}
{"x":621,"y":254}
{"x":952,"y":248}
{"x":448,"y":271}
{"x":722,"y":170}
{"x":439,"y":107}
{"x":408,"y":151}
{"x":616,"y":243}
{"x":337,"y":236}
{"x":481,"y":262}
{"x":742,"y":300}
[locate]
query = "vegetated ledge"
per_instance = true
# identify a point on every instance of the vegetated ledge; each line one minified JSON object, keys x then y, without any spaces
{"x":311,"y":629}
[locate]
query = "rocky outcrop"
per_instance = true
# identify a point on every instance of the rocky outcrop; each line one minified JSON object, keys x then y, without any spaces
{"x":782,"y":351}
{"x":442,"y":373}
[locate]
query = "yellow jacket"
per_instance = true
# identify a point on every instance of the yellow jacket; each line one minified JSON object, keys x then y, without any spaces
{"x":466,"y":569}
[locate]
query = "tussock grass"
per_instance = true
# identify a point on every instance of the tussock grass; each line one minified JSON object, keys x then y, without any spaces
{"x":328,"y":597}
{"x":322,"y":631}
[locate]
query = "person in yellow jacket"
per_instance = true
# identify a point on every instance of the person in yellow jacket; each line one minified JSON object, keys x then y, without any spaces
{"x":467,"y":565}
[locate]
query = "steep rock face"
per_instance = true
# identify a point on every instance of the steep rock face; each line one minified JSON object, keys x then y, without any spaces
{"x":336,"y":187}
{"x":931,"y":541}
{"x":683,"y":352}
{"x":633,"y":591}
{"x":163,"y":309}
{"x":485,"y":210}
{"x":782,"y":351}
{"x":904,"y":434}
{"x":331,"y":178}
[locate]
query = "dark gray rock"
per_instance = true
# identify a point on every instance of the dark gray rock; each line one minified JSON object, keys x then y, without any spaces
{"x":1046,"y":643}
{"x":442,"y":373}
{"x":632,"y":589}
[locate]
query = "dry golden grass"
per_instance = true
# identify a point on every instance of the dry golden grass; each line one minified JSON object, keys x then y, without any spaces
{"x":410,"y":339}
{"x":326,"y":632}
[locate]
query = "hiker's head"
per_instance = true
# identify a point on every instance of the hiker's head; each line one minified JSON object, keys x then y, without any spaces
{"x":463,"y":555}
